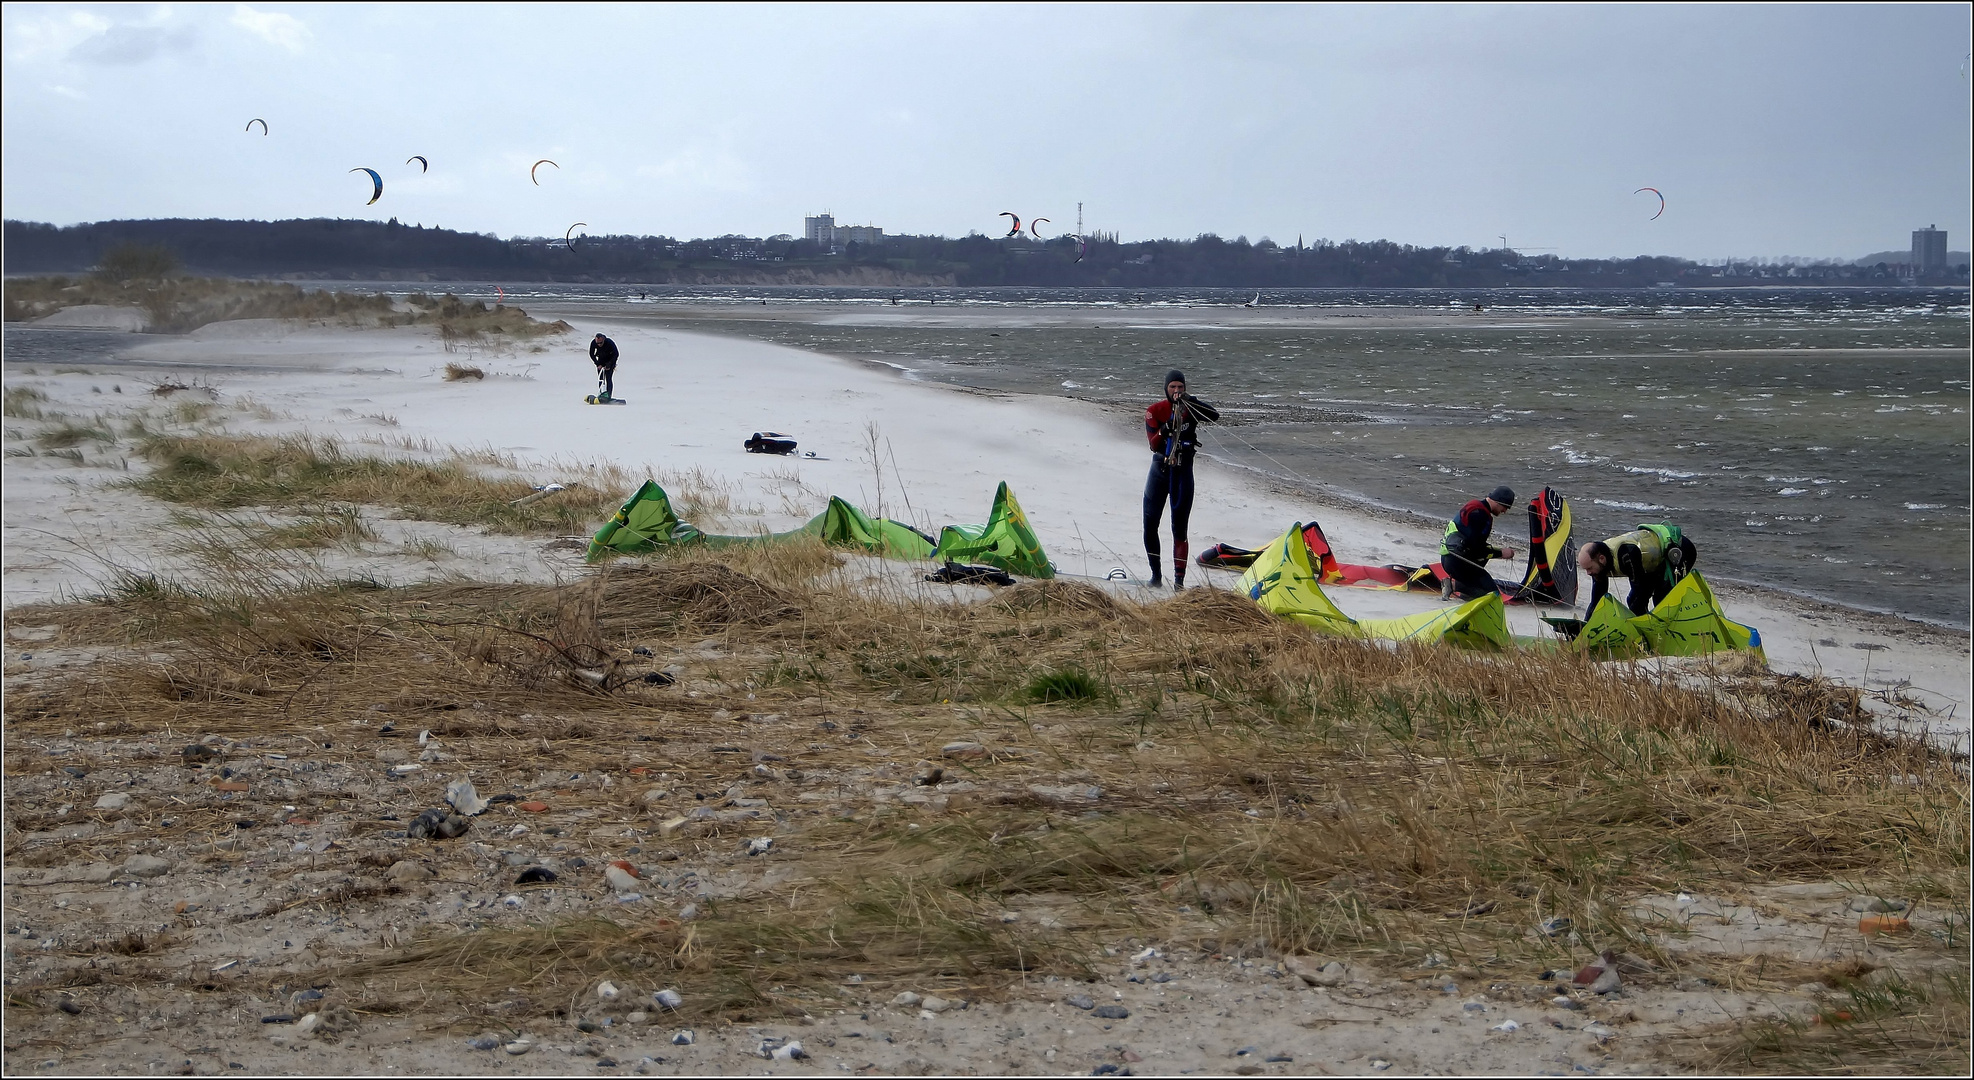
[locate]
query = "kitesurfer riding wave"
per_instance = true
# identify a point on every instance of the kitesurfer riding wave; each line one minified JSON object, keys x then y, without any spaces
{"x":1654,"y":557}
{"x":1464,"y":551}
{"x":1172,"y":429}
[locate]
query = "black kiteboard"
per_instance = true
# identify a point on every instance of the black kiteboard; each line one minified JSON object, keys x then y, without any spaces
{"x":594,"y":400}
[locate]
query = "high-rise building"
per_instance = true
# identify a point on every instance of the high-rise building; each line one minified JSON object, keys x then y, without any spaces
{"x":821,"y":228}
{"x":1929,"y":250}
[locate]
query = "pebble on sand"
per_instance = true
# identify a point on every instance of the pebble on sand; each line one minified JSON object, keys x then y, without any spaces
{"x":146,"y":866}
{"x":668,"y":998}
{"x":406,"y":872}
{"x":115,"y":800}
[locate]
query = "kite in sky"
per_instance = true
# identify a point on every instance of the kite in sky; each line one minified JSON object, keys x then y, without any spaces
{"x":1662,"y":201}
{"x":376,"y":180}
{"x":537,"y":165}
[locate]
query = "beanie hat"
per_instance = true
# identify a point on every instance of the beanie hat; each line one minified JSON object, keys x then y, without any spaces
{"x":1504,"y":495}
{"x":1175,"y":375}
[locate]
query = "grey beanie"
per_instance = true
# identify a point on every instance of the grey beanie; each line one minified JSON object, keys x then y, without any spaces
{"x":1504,"y":495}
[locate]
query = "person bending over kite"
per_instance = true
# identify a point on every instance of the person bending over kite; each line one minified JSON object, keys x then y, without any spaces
{"x":603,"y":353}
{"x":1654,"y":557}
{"x":1172,"y":429}
{"x":1464,"y":551}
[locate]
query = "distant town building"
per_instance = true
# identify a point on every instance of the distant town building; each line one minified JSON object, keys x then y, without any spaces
{"x":823,"y":229}
{"x":1929,"y":250}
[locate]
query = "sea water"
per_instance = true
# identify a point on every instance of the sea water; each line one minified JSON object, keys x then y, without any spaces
{"x":1809,"y":440}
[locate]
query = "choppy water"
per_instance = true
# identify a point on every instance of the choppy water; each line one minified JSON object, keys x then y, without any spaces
{"x":1813,"y":440}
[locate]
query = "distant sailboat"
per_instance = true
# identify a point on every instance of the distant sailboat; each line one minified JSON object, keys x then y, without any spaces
{"x":1256,"y":302}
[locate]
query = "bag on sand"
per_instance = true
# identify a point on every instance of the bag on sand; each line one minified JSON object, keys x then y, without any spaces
{"x":770,"y":442}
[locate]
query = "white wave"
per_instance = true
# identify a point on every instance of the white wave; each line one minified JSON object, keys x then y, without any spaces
{"x":1666,"y":474}
{"x":1926,"y":506}
{"x":1789,"y":493}
{"x":1620,"y":504}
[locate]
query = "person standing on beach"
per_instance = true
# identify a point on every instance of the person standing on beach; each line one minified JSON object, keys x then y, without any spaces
{"x":1464,"y":551}
{"x":603,"y":353}
{"x":1654,"y":557}
{"x":1172,"y":429}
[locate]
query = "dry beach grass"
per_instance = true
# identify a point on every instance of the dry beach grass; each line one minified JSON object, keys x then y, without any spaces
{"x":1210,"y":780}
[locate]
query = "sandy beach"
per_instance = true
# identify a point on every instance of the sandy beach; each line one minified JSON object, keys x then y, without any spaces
{"x":1077,"y":469}
{"x":214,"y":908}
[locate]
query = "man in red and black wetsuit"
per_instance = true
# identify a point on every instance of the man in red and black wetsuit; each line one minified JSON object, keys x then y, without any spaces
{"x":1172,"y":429}
{"x":1464,"y":550}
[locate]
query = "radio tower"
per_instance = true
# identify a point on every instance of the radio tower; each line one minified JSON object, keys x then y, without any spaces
{"x":1079,"y":219}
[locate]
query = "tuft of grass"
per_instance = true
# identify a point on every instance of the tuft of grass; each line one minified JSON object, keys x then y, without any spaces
{"x":20,"y":402}
{"x":1895,"y":1026}
{"x":1066,"y":684}
{"x":337,"y":527}
{"x":72,"y":434}
{"x":457,"y":372}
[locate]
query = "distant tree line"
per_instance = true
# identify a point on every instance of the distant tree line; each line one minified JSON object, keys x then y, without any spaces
{"x":329,"y":248}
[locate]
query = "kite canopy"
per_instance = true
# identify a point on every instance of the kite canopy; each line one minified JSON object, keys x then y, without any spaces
{"x":1688,"y":622}
{"x":423,"y":165}
{"x":1006,"y":541}
{"x":1662,"y":201}
{"x":1285,"y":580}
{"x":256,"y":120}
{"x":537,"y":165}
{"x":843,"y":525}
{"x":568,"y":238}
{"x":1016,"y":231}
{"x":377,"y":181}
{"x":1031,"y":227}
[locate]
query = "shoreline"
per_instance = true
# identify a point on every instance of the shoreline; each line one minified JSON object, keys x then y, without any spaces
{"x":945,"y":449}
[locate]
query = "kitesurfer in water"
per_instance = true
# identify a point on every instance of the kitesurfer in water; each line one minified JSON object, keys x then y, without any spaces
{"x":603,"y":353}
{"x":1654,"y":557}
{"x":1464,"y":551}
{"x":1172,"y":429}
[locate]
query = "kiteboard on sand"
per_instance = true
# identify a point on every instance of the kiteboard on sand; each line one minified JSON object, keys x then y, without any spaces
{"x":595,"y":400}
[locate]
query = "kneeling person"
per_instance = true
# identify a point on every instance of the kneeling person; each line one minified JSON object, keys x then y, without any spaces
{"x":1464,"y":551}
{"x":1654,"y":557}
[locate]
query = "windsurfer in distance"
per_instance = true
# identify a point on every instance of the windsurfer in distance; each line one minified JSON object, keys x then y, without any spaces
{"x":1172,"y":429}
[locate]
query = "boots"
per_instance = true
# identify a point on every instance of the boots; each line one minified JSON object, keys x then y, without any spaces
{"x":1152,"y":557}
{"x":1180,"y":548}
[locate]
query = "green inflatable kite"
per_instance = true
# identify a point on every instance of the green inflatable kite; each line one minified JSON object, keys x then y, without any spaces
{"x":1006,"y":541}
{"x":1284,"y":580}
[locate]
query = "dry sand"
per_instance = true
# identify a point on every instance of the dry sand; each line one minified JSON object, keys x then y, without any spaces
{"x":938,"y":454}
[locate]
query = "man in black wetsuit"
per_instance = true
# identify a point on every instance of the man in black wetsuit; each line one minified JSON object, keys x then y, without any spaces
{"x":603,"y":353}
{"x":1172,"y":429}
{"x":1464,"y":551}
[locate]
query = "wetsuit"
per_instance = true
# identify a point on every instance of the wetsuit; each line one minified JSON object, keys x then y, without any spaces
{"x":1464,"y":550}
{"x":1173,"y":442}
{"x":1642,"y":556}
{"x":603,"y":353}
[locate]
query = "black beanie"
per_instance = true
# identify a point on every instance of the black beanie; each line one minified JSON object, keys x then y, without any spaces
{"x":1175,"y":375}
{"x":1504,"y":495}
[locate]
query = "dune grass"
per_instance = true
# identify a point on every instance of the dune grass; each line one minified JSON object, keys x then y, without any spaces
{"x":1263,"y":790}
{"x":221,"y":472}
{"x":179,"y":304}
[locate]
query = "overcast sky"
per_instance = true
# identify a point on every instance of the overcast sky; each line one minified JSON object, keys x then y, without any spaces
{"x":1779,"y":130}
